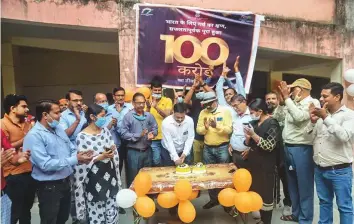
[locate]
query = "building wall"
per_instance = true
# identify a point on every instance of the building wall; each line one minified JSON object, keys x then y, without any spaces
{"x":50,"y":73}
{"x":320,"y":28}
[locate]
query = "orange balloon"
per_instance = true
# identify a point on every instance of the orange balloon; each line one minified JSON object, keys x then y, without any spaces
{"x":167,"y":200}
{"x":145,"y":206}
{"x":186,"y":211}
{"x":128,"y":96}
{"x":243,"y":202}
{"x":142,"y":183}
{"x":145,"y":91}
{"x":242,"y":180}
{"x":257,"y":201}
{"x":183,"y":189}
{"x":194,"y":195}
{"x":227,"y":196}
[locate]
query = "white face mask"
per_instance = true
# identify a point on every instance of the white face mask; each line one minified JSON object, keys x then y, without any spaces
{"x":255,"y":117}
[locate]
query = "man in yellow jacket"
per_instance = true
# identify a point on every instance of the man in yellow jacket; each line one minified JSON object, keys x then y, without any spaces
{"x":215,"y":123}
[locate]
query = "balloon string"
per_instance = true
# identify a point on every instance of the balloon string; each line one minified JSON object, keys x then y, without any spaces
{"x":137,"y":217}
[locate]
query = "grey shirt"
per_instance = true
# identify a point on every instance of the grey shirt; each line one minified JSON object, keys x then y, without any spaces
{"x":132,"y":128}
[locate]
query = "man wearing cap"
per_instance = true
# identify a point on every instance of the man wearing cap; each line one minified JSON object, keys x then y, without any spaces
{"x":215,"y":123}
{"x":298,"y":149}
{"x":63,"y":104}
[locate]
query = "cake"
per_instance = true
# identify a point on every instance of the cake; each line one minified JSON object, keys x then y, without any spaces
{"x":199,"y":168}
{"x":183,"y":169}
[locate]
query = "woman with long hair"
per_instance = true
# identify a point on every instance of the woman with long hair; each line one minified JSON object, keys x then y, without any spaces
{"x":263,"y":136}
{"x":97,"y":183}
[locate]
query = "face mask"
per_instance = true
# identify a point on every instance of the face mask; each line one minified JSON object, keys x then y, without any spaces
{"x":53,"y":124}
{"x":100,"y":122}
{"x":156,"y":96}
{"x":199,"y":95}
{"x":139,"y":117}
{"x":104,"y":105}
{"x":255,"y":117}
{"x":180,"y":100}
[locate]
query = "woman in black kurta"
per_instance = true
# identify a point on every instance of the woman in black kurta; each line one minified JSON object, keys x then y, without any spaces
{"x":263,"y":135}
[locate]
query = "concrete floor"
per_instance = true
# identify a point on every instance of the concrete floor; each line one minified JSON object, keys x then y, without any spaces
{"x":215,"y":215}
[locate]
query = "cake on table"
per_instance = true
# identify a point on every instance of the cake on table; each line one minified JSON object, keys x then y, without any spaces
{"x":183,"y":169}
{"x":199,"y":168}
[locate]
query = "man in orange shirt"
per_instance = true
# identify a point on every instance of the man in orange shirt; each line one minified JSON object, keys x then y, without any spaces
{"x":20,"y":185}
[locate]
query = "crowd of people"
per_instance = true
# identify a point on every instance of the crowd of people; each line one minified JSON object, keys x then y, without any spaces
{"x":72,"y":157}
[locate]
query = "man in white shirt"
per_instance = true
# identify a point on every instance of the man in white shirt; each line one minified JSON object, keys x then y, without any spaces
{"x":177,"y":137}
{"x":332,"y":127}
{"x":298,"y":149}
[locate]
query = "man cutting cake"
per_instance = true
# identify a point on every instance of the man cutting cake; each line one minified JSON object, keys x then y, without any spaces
{"x":177,"y":137}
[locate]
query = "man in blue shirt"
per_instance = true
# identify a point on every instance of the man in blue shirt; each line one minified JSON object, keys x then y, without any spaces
{"x":117,"y":111}
{"x":138,"y":129}
{"x":73,"y":118}
{"x":52,"y":157}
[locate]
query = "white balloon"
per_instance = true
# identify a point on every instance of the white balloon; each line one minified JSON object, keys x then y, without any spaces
{"x":126,"y":198}
{"x":350,"y":90}
{"x":349,"y":75}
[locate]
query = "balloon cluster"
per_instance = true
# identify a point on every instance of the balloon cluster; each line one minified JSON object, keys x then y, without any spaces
{"x":349,"y":77}
{"x":245,"y":201}
{"x":181,"y":196}
{"x":143,"y":205}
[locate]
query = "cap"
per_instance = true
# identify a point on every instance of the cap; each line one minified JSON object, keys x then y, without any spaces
{"x":63,"y":101}
{"x":208,"y":97}
{"x":303,"y":83}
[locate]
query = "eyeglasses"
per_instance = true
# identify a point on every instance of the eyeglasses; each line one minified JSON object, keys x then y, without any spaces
{"x":139,"y":103}
{"x":119,"y":95}
{"x":78,"y":100}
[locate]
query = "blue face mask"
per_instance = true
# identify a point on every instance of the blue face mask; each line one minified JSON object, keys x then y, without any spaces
{"x":53,"y":124}
{"x":156,"y":96}
{"x":180,"y":100}
{"x":104,"y":105}
{"x":100,"y":122}
{"x":139,"y":117}
{"x":200,"y":95}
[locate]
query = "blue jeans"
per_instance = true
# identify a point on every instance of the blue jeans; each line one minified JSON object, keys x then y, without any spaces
{"x":167,"y":161}
{"x":135,"y":161}
{"x":338,"y":182}
{"x":156,"y":147}
{"x":215,"y":155}
{"x":300,"y":173}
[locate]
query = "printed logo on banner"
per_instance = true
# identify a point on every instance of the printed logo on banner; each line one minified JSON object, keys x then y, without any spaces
{"x":146,"y":12}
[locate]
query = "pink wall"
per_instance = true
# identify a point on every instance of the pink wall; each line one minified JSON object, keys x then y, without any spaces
{"x":311,"y":10}
{"x":104,"y":15}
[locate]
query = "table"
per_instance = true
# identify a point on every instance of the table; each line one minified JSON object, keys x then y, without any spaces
{"x":165,"y":178}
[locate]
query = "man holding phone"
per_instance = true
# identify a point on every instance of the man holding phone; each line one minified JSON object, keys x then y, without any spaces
{"x":237,"y":147}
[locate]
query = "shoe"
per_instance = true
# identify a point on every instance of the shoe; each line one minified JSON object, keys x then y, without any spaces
{"x":256,"y":215}
{"x":287,"y":211}
{"x":121,"y":211}
{"x":210,"y":204}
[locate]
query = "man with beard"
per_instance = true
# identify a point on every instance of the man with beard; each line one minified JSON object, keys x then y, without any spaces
{"x":215,"y":124}
{"x":20,"y":185}
{"x":272,"y":99}
{"x":63,"y":104}
{"x":73,"y":119}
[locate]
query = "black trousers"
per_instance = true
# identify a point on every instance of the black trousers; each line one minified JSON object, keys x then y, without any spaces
{"x":238,"y":161}
{"x":54,"y":201}
{"x":281,"y":174}
{"x":21,"y":189}
{"x":122,"y":151}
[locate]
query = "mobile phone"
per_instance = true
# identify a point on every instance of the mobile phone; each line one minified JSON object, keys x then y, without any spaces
{"x":107,"y":149}
{"x":246,"y":124}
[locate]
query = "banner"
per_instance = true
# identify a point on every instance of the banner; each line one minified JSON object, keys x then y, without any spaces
{"x":179,"y":42}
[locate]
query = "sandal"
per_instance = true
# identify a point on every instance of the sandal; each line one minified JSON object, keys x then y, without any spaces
{"x":289,"y":218}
